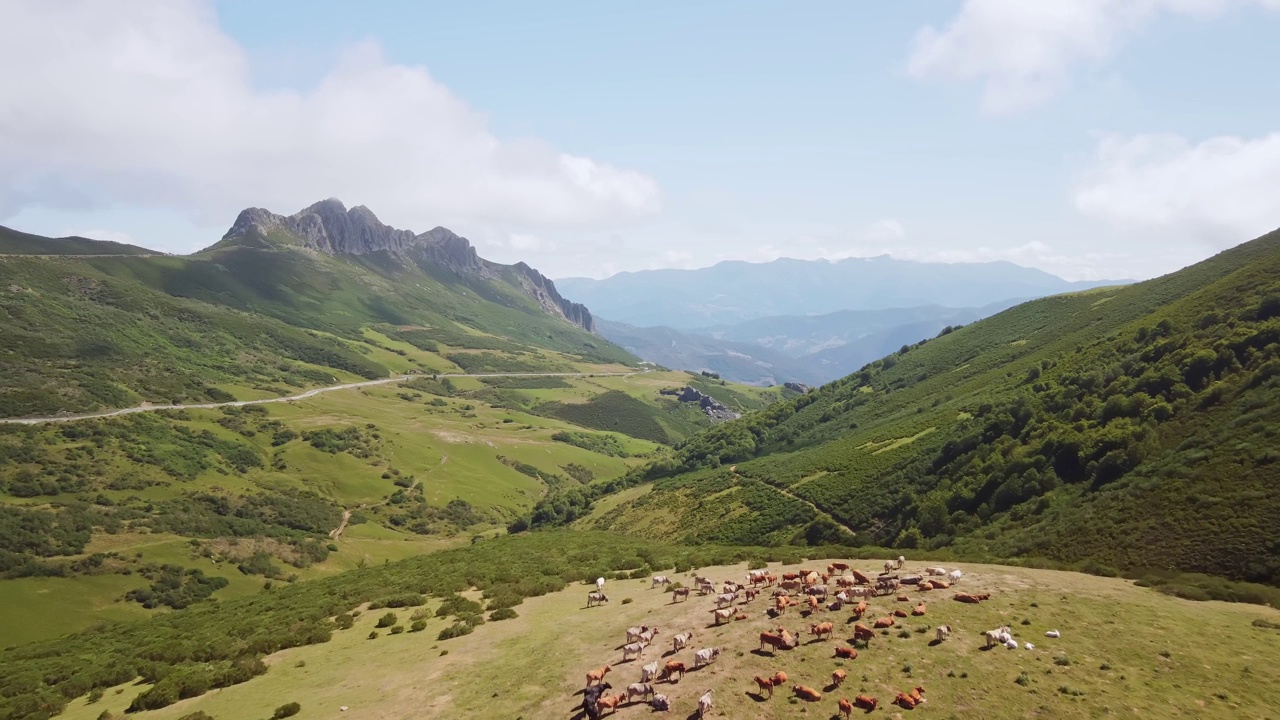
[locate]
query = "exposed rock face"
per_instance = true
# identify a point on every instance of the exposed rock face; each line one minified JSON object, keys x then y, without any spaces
{"x":713,"y":408}
{"x":329,"y":227}
{"x":798,"y":387}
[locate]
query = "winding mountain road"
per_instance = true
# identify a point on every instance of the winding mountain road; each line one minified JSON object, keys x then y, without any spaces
{"x":146,"y":407}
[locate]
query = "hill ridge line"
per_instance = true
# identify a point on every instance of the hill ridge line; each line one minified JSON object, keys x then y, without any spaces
{"x":301,"y":396}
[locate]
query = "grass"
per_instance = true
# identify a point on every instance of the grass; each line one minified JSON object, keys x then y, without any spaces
{"x":536,"y":673}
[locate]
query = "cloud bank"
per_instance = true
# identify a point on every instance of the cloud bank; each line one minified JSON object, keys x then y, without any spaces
{"x":148,"y":103}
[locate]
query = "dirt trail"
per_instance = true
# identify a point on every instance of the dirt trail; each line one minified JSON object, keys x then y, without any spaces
{"x":821,"y":513}
{"x":337,"y":532}
{"x":147,"y":407}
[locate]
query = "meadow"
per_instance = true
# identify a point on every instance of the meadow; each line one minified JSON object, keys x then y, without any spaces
{"x":1123,"y":651}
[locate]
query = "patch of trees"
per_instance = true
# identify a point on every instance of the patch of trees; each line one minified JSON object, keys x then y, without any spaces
{"x":174,"y":586}
{"x":614,"y":411}
{"x":594,"y":442}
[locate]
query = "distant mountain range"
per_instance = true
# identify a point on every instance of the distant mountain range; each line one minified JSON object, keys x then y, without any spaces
{"x":731,"y":292}
{"x":800,"y":320}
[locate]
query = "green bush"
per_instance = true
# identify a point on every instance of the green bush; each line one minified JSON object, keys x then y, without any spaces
{"x":286,"y":710}
{"x":387,"y":620}
{"x":505,"y":613}
{"x":418,"y":626}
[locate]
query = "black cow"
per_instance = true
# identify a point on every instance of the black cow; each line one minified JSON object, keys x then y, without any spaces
{"x":590,"y":696}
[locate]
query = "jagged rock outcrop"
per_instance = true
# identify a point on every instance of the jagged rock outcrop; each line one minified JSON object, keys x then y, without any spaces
{"x":798,"y":387}
{"x":329,"y":227}
{"x":713,"y":408}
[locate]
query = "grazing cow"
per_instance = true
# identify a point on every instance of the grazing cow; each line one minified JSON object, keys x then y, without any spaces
{"x":918,"y":610}
{"x":846,"y":708}
{"x":754,"y":576}
{"x":721,"y":614}
{"x":633,"y":633}
{"x":812,"y":603}
{"x":955,"y":575}
{"x":773,"y":641}
{"x":597,"y":675}
{"x":845,"y":581}
{"x":863,"y":633}
{"x":812,"y":578}
{"x":860,"y":578}
{"x":790,"y":576}
{"x":780,"y":604}
{"x":900,"y":613}
{"x":818,"y":591}
{"x":699,"y":580}
{"x":704,"y":704}
{"x":838,"y":676}
{"x":846,"y":653}
{"x":732,"y":587}
{"x":887,"y":584}
{"x":649,"y":672}
{"x":935,"y":571}
{"x":806,"y":693}
{"x":888,"y":566}
{"x":705,"y":656}
{"x":726,"y":599}
{"x":779,"y":679}
{"x":589,"y":697}
{"x":706,"y":588}
{"x":765,"y":685}
{"x":681,"y":593}
{"x":750,"y":594}
{"x":999,"y":636}
{"x":635,"y":648}
{"x":596,"y":598}
{"x":647,"y":636}
{"x":600,"y":584}
{"x":679,"y":641}
{"x":791,"y":584}
{"x":660,"y":703}
{"x":770,"y":579}
{"x":973,"y":599}
{"x":671,"y":669}
{"x":860,"y":609}
{"x":841,"y":566}
{"x":640,"y":690}
{"x":884,"y":622}
{"x":659,"y":580}
{"x":610,"y":703}
{"x":943,"y":632}
{"x":821,"y":629}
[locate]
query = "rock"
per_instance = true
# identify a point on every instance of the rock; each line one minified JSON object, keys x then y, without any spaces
{"x":713,"y":408}
{"x":798,"y":387}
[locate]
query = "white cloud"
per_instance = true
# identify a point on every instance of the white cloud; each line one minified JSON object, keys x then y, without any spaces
{"x":885,"y":231}
{"x":1220,"y":191}
{"x":147,"y":103}
{"x":1026,"y":50}
{"x":529,"y":243}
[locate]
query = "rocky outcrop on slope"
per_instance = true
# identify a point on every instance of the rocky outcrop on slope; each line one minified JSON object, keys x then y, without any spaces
{"x":713,"y":408}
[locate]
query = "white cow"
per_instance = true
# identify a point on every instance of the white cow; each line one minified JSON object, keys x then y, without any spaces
{"x":635,"y":648}
{"x":600,"y":584}
{"x":596,"y":598}
{"x":660,"y":702}
{"x":999,"y":636}
{"x":722,"y":614}
{"x":646,"y":637}
{"x":1053,"y":634}
{"x":943,"y":632}
{"x":1011,"y":644}
{"x":955,"y":575}
{"x":704,"y":704}
{"x":634,"y":632}
{"x":935,"y":571}
{"x":659,"y":580}
{"x":679,"y":641}
{"x":726,"y":599}
{"x":649,"y":672}
{"x":638,"y":690}
{"x":705,"y":656}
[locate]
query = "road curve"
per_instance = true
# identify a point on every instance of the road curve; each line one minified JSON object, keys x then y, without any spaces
{"x":300,"y":396}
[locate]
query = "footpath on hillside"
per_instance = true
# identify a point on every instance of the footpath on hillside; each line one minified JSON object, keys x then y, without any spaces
{"x":146,"y":407}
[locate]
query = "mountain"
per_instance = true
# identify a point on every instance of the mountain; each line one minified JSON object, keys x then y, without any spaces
{"x":1125,"y":427}
{"x":738,"y":362}
{"x":279,"y":302}
{"x":734,"y":291}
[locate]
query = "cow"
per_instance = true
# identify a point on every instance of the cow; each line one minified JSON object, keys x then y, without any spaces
{"x":918,"y":610}
{"x":806,"y":693}
{"x":640,"y":690}
{"x":1011,"y":644}
{"x":888,"y":566}
{"x":633,"y":633}
{"x":635,"y":648}
{"x":840,"y":566}
{"x":779,"y":679}
{"x":821,"y":629}
{"x":659,"y":580}
{"x":943,"y":632}
{"x":756,"y":576}
{"x":597,"y":675}
{"x":649,"y":672}
{"x":884,"y":622}
{"x":721,"y":614}
{"x":812,"y":602}
{"x":925,"y":585}
{"x":860,"y":578}
{"x":706,"y":588}
{"x":835,"y":605}
{"x":911,"y":580}
{"x":818,"y":591}
{"x":589,"y":697}
{"x":781,"y":592}
{"x":845,"y":581}
{"x":935,"y":571}
{"x":838,"y":676}
{"x":917,"y":694}
{"x":780,"y":604}
{"x":904,"y":598}
{"x":791,"y":584}
{"x":773,"y":641}
{"x":732,"y":587}
{"x":705,"y":656}
{"x":750,"y":594}
{"x":999,"y":636}
{"x":887,"y":584}
{"x":955,"y":575}
{"x":704,"y":704}
{"x":846,"y":653}
{"x":812,"y":578}
{"x":726,"y":599}
{"x":900,"y":613}
{"x":973,"y":599}
{"x":600,"y":584}
{"x":863,"y":633}
{"x":790,"y":576}
{"x":765,"y":685}
{"x":647,"y":636}
{"x":940,"y":584}
{"x":866,"y":702}
{"x":671,"y":669}
{"x":788,"y":638}
{"x":610,"y":703}
{"x":660,"y":703}
{"x":596,"y":598}
{"x":680,"y":593}
{"x":860,"y":609}
{"x":679,"y":641}
{"x":905,"y":701}
{"x":846,"y":708}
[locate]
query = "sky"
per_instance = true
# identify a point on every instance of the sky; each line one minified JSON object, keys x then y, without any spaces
{"x":1093,"y":138}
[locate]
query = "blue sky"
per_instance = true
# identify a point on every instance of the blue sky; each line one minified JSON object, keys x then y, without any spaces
{"x":1094,"y":139}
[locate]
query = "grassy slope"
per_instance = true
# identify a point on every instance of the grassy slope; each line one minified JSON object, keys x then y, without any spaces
{"x":1114,"y":639}
{"x":13,"y":242}
{"x":453,"y":451}
{"x":1134,"y":426}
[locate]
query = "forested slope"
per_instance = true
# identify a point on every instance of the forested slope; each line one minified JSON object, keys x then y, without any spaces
{"x":1135,"y":426}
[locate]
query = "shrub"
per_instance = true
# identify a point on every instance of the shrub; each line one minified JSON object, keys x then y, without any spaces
{"x":1062,"y":660}
{"x":418,"y":626}
{"x":286,"y":710}
{"x":397,"y":629}
{"x":1023,"y":679}
{"x":373,"y":634}
{"x":1260,"y":622}
{"x":626,"y":601}
{"x":458,"y":629}
{"x":387,"y":620}
{"x":502,"y":614}
{"x":197,"y":715}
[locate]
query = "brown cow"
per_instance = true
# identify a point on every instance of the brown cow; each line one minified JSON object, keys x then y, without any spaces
{"x":598,"y":674}
{"x":967,"y":598}
{"x":846,"y":653}
{"x":845,"y":581}
{"x":860,"y":610}
{"x":917,"y":694}
{"x":866,"y":702}
{"x":610,"y":703}
{"x":862,"y":579}
{"x":884,"y":622}
{"x":812,"y":600}
{"x":862,"y":632}
{"x":671,"y":669}
{"x":899,"y":613}
{"x":680,"y":593}
{"x":764,"y":684}
{"x":806,"y":693}
{"x":838,"y":677}
{"x":790,"y":576}
{"x":779,"y":679}
{"x":925,"y":585}
{"x":773,"y":641}
{"x":940,"y":584}
{"x":905,"y":701}
{"x":821,"y":629}
{"x":846,"y":707}
{"x":751,"y":594}
{"x":918,"y":610}
{"x":841,"y":566}
{"x":903,"y":598}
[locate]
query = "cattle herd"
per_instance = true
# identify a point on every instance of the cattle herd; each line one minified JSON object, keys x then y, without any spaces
{"x":811,"y":591}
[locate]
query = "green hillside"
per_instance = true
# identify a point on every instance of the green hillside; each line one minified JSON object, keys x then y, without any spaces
{"x":13,"y":242}
{"x":1132,"y":427}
